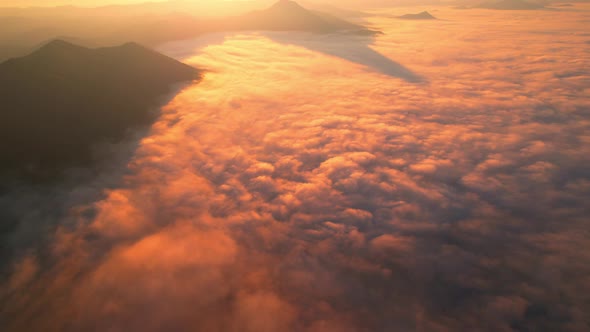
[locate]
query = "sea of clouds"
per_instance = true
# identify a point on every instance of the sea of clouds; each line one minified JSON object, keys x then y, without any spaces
{"x":296,"y":190}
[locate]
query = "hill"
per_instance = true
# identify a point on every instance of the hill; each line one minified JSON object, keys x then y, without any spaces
{"x":420,"y":16}
{"x":61,"y":100}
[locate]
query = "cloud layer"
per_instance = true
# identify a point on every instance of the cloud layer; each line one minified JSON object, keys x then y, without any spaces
{"x":294,"y":191}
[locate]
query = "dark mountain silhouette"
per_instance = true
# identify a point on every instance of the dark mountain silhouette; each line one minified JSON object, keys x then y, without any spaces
{"x":61,"y":100}
{"x":286,"y":15}
{"x":510,"y":5}
{"x":420,"y":16}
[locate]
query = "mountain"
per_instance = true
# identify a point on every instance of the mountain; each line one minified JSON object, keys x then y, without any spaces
{"x":420,"y":16}
{"x":510,"y":5}
{"x":152,"y":24}
{"x":286,"y":15}
{"x":62,"y":99}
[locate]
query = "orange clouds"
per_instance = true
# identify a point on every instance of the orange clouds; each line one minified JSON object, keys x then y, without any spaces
{"x":293,"y":190}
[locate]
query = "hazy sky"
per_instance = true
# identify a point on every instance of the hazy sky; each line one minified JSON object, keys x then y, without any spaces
{"x":26,"y":3}
{"x":94,"y":3}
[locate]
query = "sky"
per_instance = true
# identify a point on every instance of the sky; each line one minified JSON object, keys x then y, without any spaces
{"x":49,"y":3}
{"x":95,"y":3}
{"x":433,"y":178}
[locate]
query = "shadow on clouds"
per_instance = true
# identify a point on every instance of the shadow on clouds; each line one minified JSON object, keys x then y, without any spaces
{"x":351,"y":48}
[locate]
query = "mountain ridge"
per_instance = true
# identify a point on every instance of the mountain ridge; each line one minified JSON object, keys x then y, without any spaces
{"x":82,"y":97}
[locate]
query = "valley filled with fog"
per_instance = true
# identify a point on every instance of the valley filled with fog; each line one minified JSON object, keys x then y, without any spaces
{"x":430,"y":178}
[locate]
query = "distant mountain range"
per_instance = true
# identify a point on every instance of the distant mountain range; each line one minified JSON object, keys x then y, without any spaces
{"x":61,"y":100}
{"x":420,"y":16}
{"x":22,"y":30}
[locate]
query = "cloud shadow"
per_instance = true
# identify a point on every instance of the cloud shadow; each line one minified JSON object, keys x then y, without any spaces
{"x":354,"y":48}
{"x":347,"y":46}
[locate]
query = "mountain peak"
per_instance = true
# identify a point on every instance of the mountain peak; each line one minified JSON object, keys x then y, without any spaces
{"x":420,"y":16}
{"x":59,"y":44}
{"x":59,"y":48}
{"x":133,"y":46}
{"x":287,"y":15}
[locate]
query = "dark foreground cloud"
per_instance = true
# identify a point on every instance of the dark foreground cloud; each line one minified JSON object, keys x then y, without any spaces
{"x":292,"y":191}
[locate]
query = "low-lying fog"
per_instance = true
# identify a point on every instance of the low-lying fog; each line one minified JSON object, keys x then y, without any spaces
{"x":434,"y":178}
